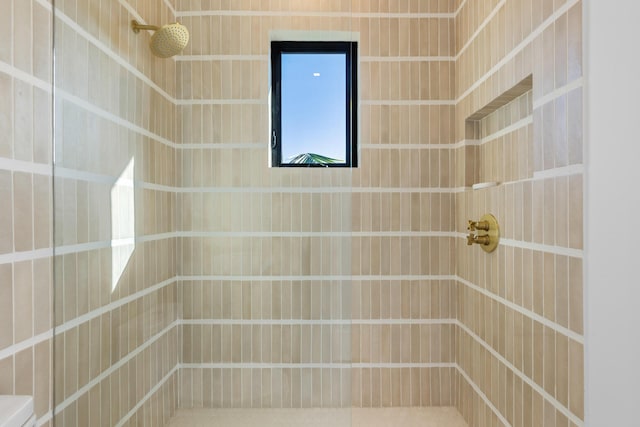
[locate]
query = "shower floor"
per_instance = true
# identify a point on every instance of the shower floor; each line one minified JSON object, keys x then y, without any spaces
{"x":356,"y":417}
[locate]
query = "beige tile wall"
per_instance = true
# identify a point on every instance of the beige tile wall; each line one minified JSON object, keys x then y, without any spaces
{"x":25,"y":188}
{"x":264,"y":294}
{"x":116,"y":334}
{"x":288,"y":276}
{"x":520,"y":335}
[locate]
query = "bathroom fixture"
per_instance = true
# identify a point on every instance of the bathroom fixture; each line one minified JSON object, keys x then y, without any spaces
{"x":488,"y":234}
{"x":480,"y":240}
{"x":478,"y":225}
{"x":167,"y":40}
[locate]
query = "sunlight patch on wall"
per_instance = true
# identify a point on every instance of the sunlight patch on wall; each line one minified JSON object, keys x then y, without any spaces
{"x":123,"y":214}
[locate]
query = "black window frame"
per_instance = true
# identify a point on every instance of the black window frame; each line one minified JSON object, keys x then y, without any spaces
{"x":351,"y":96}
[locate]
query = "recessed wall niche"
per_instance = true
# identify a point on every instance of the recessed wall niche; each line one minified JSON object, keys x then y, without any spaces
{"x":499,"y":138}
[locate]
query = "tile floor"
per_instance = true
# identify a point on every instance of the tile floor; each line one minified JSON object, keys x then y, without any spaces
{"x":357,"y":417}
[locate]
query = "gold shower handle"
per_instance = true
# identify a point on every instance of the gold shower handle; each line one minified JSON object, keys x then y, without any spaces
{"x":471,"y":239}
{"x":480,"y":240}
{"x":478,"y":225}
{"x":488,"y":234}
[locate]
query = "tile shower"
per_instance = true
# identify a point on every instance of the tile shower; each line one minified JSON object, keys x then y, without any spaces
{"x":187,"y":274}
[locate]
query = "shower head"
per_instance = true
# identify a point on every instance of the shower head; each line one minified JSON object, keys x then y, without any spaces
{"x":167,"y":40}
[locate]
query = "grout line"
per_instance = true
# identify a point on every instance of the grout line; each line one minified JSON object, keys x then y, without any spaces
{"x":547,"y":174}
{"x":26,"y":255}
{"x":407,"y":58}
{"x":114,"y":367}
{"x":409,"y":102}
{"x":557,"y":250}
{"x":483,"y":396}
{"x":147,"y":396}
{"x":221,"y":57}
{"x":464,"y":143}
{"x":16,"y":73}
{"x":392,"y":146}
{"x":87,"y":106}
{"x":112,"y":306}
{"x":484,"y":23}
{"x":316,"y":234}
{"x":44,"y":4}
{"x":507,"y":130}
{"x":92,"y":108}
{"x":379,"y":190}
{"x":313,"y":190}
{"x":23,"y":345}
{"x":257,"y":365}
{"x":248,"y":101}
{"x":171,"y":8}
{"x":103,"y":244}
{"x":97,"y":178}
{"x":320,"y":322}
{"x":306,"y":278}
{"x":265,"y":58}
{"x":313,"y":14}
{"x":21,"y":75}
{"x":517,"y":49}
{"x":106,"y":50}
{"x":44,"y":419}
{"x":133,"y":12}
{"x":14,"y":165}
{"x":559,"y":406}
{"x":525,"y":312}
{"x":221,"y":145}
{"x":110,"y":180}
{"x":559,"y":172}
{"x":195,"y":102}
{"x":459,"y":9}
{"x":538,"y":247}
{"x":402,"y":322}
{"x":258,"y":101}
{"x":555,"y":94}
{"x":563,"y":90}
{"x":327,"y":365}
{"x":82,"y":175}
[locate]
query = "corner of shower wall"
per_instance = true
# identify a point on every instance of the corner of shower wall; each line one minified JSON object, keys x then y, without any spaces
{"x":520,"y":332}
{"x":116,"y":308}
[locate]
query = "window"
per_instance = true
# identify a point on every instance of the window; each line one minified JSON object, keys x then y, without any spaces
{"x":314,"y":104}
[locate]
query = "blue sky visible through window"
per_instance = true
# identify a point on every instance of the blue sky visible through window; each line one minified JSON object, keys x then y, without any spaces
{"x":313,"y":105}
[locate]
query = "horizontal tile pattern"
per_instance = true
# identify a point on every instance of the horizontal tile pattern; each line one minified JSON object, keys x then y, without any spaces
{"x":411,"y":417}
{"x":404,"y":387}
{"x":317,"y":387}
{"x":520,"y":338}
{"x":502,"y":340}
{"x":116,"y":306}
{"x":291,"y":255}
{"x":381,"y":34}
{"x":26,"y":228}
{"x":113,"y":398}
{"x":265,"y":388}
{"x":365,"y":6}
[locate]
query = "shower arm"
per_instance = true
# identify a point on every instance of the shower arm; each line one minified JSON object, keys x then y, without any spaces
{"x":136,"y":26}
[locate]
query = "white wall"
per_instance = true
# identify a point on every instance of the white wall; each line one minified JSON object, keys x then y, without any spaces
{"x":612,"y":230}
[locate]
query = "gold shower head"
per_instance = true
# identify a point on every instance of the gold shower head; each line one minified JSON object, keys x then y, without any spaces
{"x":167,"y":40}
